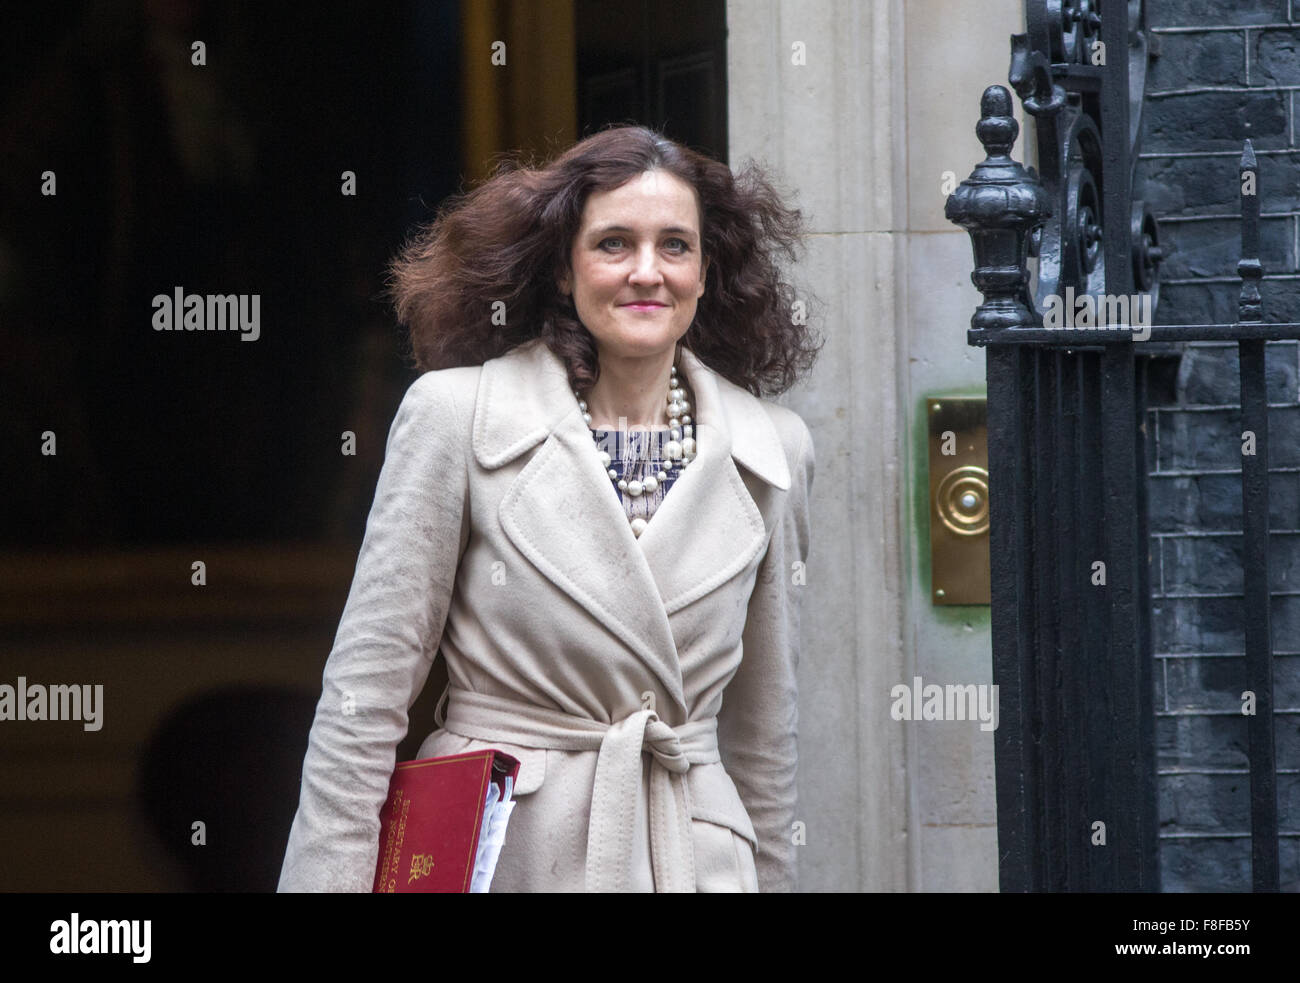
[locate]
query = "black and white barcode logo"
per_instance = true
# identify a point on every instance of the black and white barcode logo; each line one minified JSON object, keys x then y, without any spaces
{"x":103,"y":936}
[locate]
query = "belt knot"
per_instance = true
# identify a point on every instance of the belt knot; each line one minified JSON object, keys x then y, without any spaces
{"x":662,"y":742}
{"x":617,"y":786}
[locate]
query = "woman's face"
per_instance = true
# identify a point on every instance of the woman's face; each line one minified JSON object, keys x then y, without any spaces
{"x":636,"y":268}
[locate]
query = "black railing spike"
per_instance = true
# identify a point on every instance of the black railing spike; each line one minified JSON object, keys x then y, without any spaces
{"x":1256,"y":603}
{"x":1249,"y":306}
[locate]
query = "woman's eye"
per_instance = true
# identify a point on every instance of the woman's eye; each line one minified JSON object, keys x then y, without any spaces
{"x":618,"y":242}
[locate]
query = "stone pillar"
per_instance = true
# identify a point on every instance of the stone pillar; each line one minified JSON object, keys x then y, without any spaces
{"x":860,"y":109}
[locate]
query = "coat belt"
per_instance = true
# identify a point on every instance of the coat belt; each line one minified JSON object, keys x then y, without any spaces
{"x":610,"y":849}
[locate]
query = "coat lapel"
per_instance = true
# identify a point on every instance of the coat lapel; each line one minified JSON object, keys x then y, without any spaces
{"x":563,"y":515}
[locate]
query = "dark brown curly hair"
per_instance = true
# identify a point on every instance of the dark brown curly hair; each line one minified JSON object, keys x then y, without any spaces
{"x":481,"y":278}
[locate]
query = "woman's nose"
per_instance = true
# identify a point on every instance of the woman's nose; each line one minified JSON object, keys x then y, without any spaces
{"x":646,"y":266}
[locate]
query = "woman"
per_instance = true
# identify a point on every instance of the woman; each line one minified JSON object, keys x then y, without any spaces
{"x":627,"y":627}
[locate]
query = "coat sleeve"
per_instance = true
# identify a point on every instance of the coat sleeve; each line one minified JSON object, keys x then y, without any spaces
{"x":386,"y":642}
{"x":757,"y":725}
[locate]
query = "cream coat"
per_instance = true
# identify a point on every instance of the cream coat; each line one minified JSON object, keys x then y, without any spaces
{"x":496,"y":538}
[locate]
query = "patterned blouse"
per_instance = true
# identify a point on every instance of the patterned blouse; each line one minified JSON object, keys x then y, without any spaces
{"x":634,"y":454}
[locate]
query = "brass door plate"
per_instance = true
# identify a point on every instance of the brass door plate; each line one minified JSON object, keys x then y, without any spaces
{"x":959,"y":499}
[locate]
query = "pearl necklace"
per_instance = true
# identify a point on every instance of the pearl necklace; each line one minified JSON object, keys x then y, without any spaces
{"x":680,"y":448}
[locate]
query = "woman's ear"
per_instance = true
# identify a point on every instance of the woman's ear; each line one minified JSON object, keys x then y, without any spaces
{"x":562,"y":282}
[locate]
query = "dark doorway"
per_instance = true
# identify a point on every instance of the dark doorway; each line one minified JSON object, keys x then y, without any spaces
{"x":660,"y":62}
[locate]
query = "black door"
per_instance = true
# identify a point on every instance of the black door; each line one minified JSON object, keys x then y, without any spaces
{"x":658,"y":62}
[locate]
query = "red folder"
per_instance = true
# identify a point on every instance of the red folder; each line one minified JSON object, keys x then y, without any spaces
{"x":431,"y":825}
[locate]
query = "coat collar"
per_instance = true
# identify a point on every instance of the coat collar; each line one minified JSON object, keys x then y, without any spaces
{"x":562,"y":514}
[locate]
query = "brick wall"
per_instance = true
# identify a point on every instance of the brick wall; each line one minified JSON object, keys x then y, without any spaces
{"x":1225,"y":71}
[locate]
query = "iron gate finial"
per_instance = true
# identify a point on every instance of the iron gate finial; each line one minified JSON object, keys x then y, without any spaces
{"x":1000,"y":205}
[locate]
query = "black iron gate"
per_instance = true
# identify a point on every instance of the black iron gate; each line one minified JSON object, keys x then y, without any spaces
{"x":1066,"y":369}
